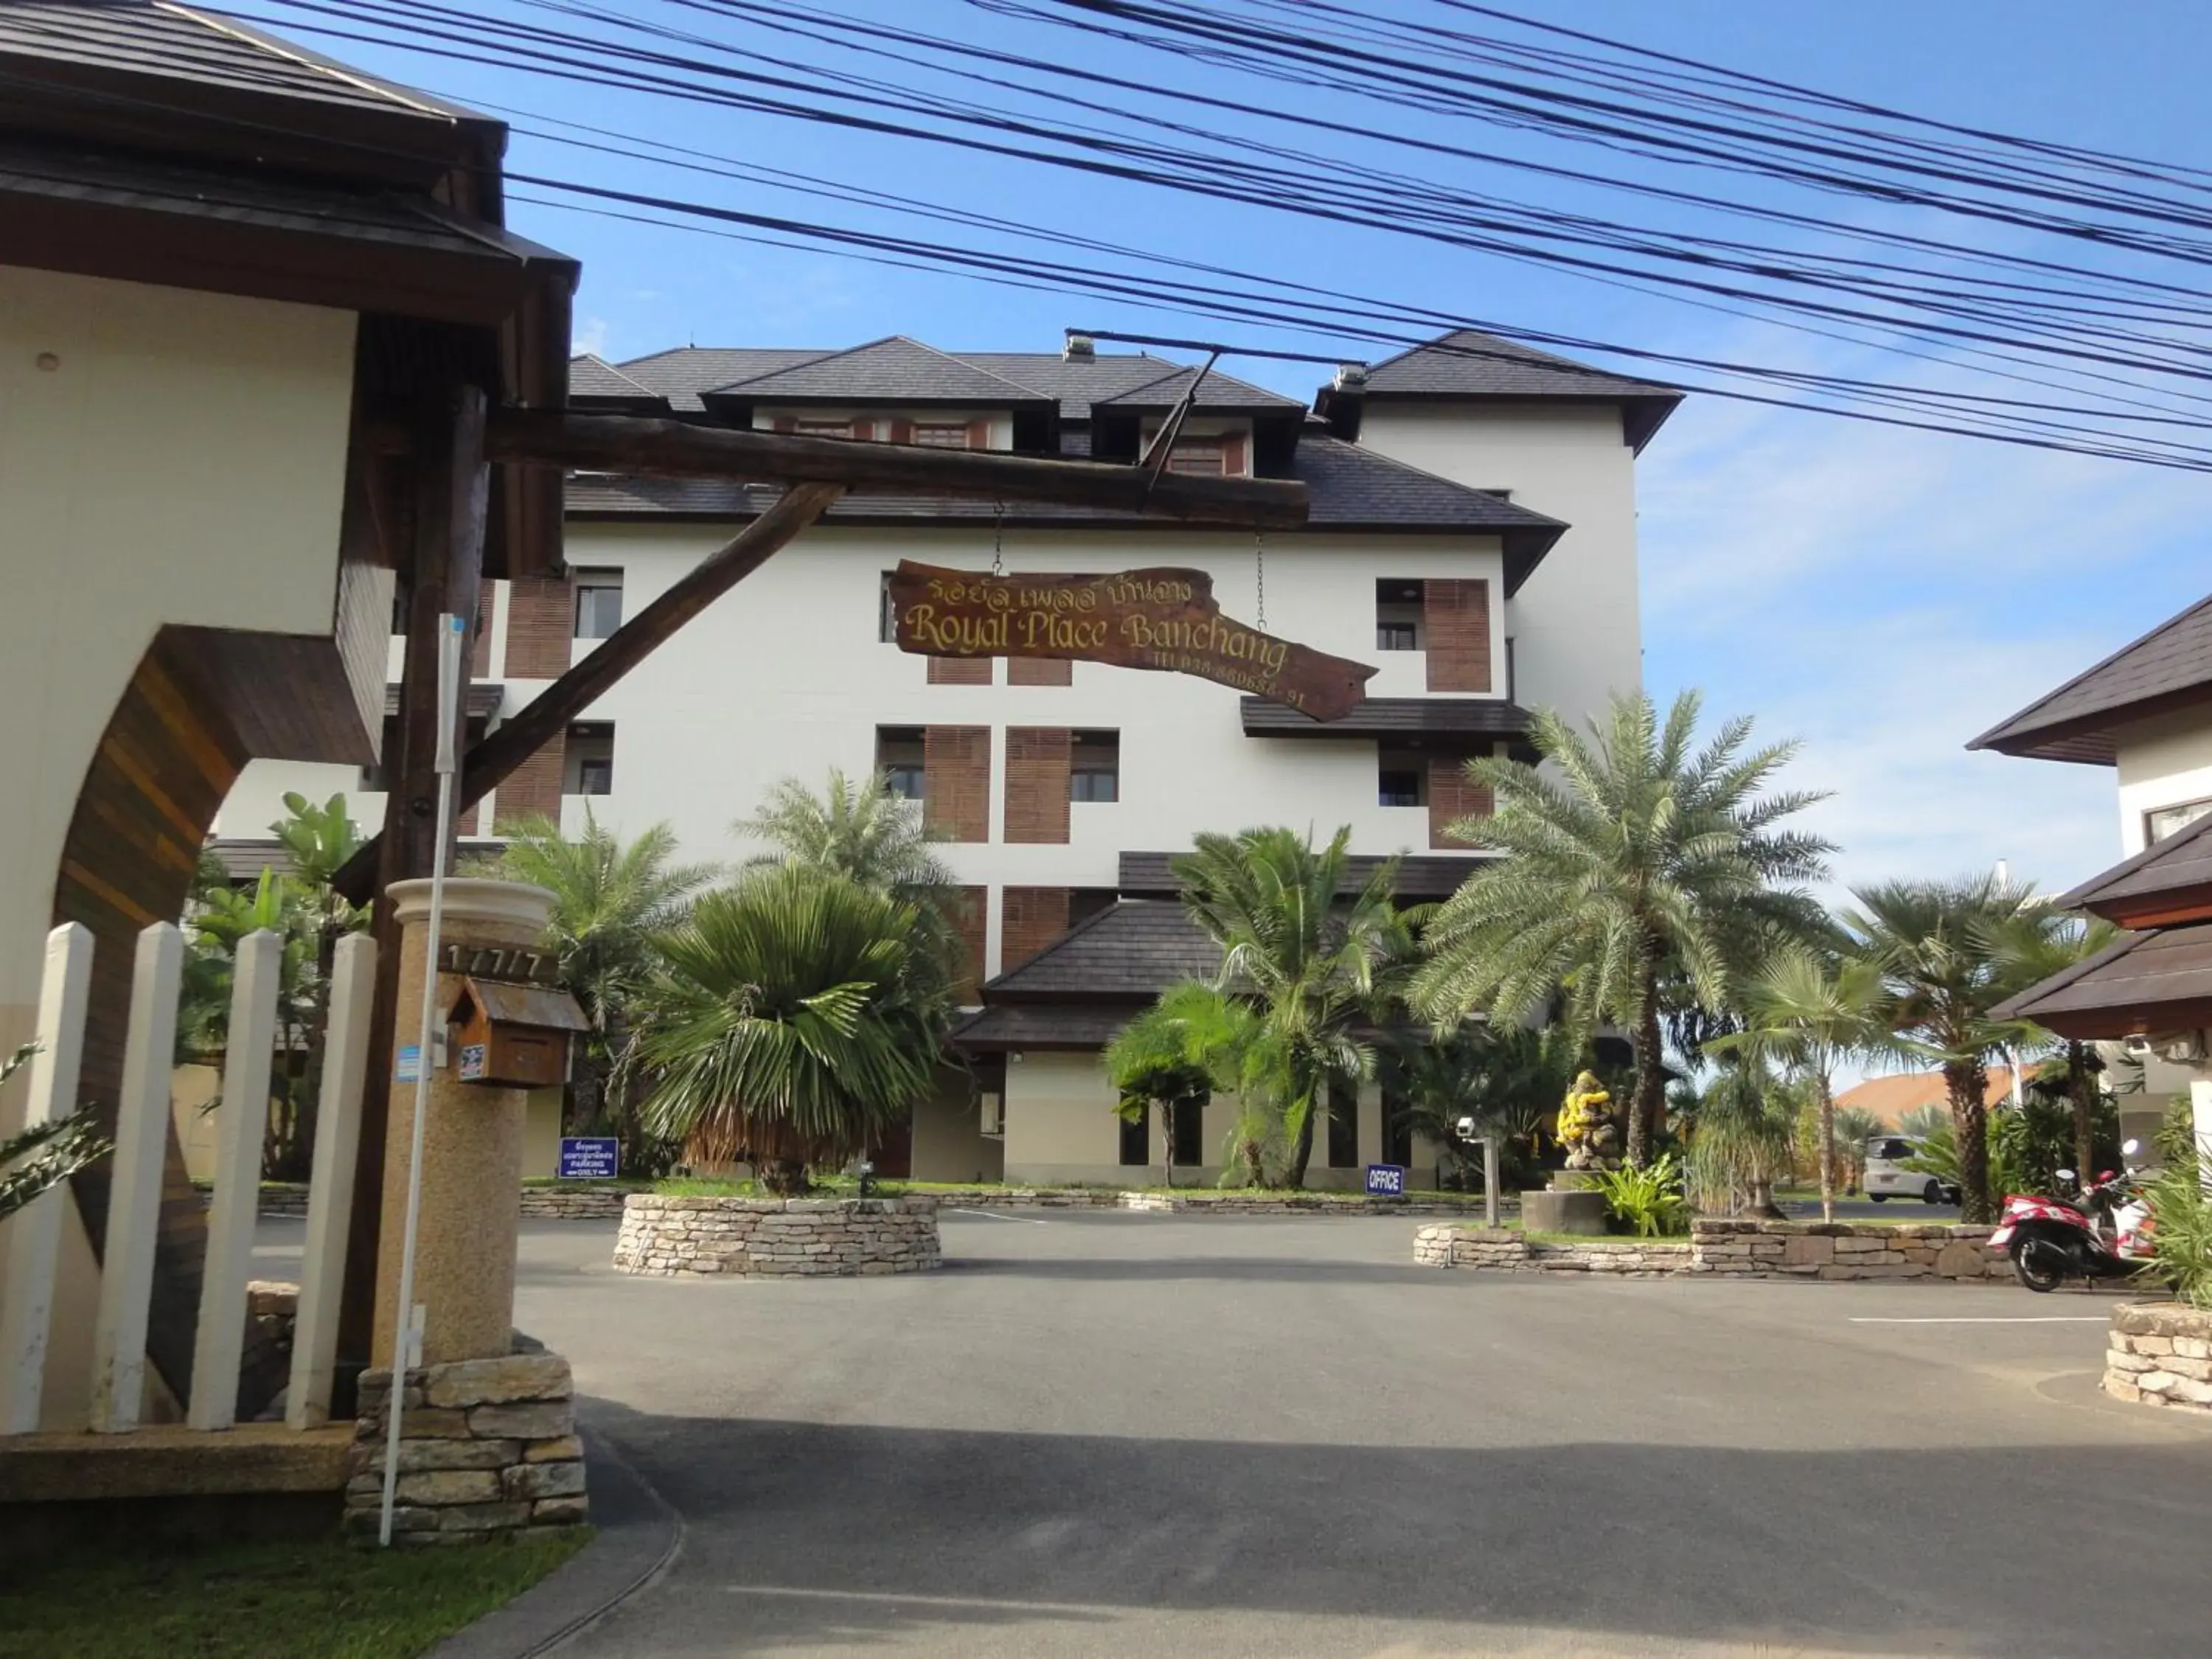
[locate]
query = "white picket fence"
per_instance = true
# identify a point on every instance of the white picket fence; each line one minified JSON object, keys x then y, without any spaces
{"x":127,"y":1280}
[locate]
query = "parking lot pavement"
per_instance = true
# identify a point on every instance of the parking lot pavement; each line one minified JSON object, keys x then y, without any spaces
{"x":1106,"y":1433}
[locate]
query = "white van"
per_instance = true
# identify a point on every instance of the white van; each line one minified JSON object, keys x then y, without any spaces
{"x":1888,"y":1177}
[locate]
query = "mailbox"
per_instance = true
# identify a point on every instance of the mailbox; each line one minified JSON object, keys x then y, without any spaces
{"x":513,"y":1036}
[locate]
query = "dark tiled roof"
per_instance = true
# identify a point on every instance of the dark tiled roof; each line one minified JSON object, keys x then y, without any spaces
{"x":2168,"y":668}
{"x":174,"y":44}
{"x":1042,"y":1025}
{"x":595,"y":377}
{"x":892,"y":370}
{"x":1217,"y":390}
{"x":244,"y":859}
{"x":1471,"y":366}
{"x":1136,"y":948}
{"x":1394,"y":717}
{"x":2169,"y":876}
{"x":2145,"y":984}
{"x":681,"y":374}
{"x":1421,"y":876}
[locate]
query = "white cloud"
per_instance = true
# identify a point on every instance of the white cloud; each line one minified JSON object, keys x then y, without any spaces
{"x":590,"y":336}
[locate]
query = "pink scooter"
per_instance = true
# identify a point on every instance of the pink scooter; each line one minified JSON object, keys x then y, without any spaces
{"x":2104,"y":1234}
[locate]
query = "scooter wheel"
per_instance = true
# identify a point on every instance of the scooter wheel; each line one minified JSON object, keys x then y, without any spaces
{"x":2031,"y":1272}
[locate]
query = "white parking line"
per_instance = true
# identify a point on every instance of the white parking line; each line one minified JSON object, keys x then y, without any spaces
{"x":2023,"y":1319}
{"x":993,"y":1215}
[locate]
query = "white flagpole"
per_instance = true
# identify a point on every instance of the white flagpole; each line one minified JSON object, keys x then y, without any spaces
{"x":407,"y":1332}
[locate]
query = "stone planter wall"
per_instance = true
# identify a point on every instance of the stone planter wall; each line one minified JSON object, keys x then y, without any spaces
{"x":1740,"y":1249}
{"x":563,"y":1204}
{"x":487,"y":1446}
{"x":1232,"y":1202}
{"x":1450,"y":1246}
{"x":2159,"y":1353}
{"x":777,"y":1237}
{"x":1842,"y":1249}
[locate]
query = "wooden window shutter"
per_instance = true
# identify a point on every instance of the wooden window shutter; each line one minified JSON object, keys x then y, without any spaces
{"x":541,"y":623}
{"x":1451,"y":798}
{"x":901,"y":432}
{"x":979,"y":434}
{"x":787,"y":423}
{"x":1456,"y":622}
{"x":960,"y":671}
{"x":1232,"y":455}
{"x":1031,"y":918}
{"x":956,"y":782}
{"x":864,"y":428}
{"x":532,"y":789}
{"x":1038,"y":764}
{"x":1040,"y":670}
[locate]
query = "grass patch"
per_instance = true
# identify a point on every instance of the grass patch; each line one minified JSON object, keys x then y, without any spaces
{"x":265,"y":1599}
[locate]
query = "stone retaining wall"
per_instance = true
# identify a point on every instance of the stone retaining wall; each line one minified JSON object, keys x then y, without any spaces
{"x":1740,"y":1249}
{"x":567,"y":1204}
{"x":487,"y":1446}
{"x":777,"y":1237}
{"x":2159,"y":1353}
{"x":1265,"y":1203}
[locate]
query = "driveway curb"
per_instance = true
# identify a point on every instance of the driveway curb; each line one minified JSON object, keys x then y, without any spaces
{"x":639,"y":1537}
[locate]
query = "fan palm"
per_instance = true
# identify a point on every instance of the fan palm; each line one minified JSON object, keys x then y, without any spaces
{"x":1932,"y":942}
{"x":611,"y":902}
{"x":1311,"y":960}
{"x":794,"y":1023}
{"x":1177,"y":1053}
{"x":1855,"y":1127}
{"x":1646,"y":857}
{"x":2032,"y":946}
{"x":1812,"y":1011}
{"x":1741,"y":1146}
{"x":1509,"y":1080}
{"x":857,"y":827}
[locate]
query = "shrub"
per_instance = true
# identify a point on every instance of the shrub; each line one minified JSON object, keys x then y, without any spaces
{"x":2181,"y":1241}
{"x":1647,"y":1200}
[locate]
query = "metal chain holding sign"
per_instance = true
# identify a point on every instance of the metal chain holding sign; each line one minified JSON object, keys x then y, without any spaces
{"x":1260,"y":579}
{"x":998,"y":542}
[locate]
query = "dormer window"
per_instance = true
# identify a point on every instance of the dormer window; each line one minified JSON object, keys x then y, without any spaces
{"x":1216,"y":453}
{"x":806,"y":429}
{"x":1207,"y":455}
{"x":941,"y":435}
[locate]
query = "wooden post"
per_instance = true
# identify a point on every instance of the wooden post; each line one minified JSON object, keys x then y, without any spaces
{"x":444,"y":574}
{"x":34,"y":1232}
{"x":241,"y":1123}
{"x":1490,"y":1180}
{"x":330,"y":1188}
{"x":134,"y":1204}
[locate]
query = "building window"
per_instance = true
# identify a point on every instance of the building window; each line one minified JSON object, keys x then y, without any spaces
{"x":1190,"y":1135}
{"x":899,"y":758}
{"x":1094,"y":766}
{"x":1343,"y":1125}
{"x":941,"y":435}
{"x":587,"y":761}
{"x":1401,"y":779}
{"x":886,"y":613}
{"x":1397,"y":616}
{"x":1397,"y":1129}
{"x":1136,"y":1140}
{"x":2163,"y":821}
{"x":1209,"y":456}
{"x":826,"y":428}
{"x":598,"y":603}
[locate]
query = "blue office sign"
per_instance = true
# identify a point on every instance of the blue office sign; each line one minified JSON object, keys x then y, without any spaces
{"x":589,"y":1157}
{"x":1386,"y":1181}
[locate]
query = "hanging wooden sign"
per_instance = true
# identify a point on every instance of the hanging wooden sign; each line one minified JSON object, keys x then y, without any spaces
{"x":1163,"y":619}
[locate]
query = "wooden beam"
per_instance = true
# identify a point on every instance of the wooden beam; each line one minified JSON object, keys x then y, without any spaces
{"x":640,"y":447}
{"x":491,"y":761}
{"x":443,"y":571}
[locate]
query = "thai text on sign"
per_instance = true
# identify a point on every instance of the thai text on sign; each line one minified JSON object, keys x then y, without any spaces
{"x":1164,"y":619}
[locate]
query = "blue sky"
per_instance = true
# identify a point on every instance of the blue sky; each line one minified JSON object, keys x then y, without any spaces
{"x":1882,"y":595}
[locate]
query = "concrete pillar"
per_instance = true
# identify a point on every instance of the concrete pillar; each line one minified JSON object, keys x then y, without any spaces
{"x":473,"y":1142}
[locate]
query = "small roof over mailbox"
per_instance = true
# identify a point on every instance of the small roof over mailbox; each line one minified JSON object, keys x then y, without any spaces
{"x":508,"y":1003}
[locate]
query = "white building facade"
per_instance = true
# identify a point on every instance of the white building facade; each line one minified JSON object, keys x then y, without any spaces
{"x":1472,"y":534}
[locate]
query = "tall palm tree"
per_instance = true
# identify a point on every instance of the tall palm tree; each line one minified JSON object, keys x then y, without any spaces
{"x":611,"y":904}
{"x":795,"y":1021}
{"x":1811,"y":1011}
{"x":1177,"y":1054}
{"x":854,"y":825}
{"x":2032,"y":946}
{"x":1311,"y":958}
{"x":1645,"y":857}
{"x":1932,"y":942}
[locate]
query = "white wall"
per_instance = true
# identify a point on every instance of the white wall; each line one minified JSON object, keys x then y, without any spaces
{"x":2162,"y":762}
{"x":1575,"y":623}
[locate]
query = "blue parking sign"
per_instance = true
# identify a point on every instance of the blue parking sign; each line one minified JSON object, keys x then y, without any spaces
{"x":589,"y":1157}
{"x":1386,"y":1181}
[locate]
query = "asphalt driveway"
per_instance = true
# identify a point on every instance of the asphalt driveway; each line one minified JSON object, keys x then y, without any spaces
{"x":1131,"y":1434}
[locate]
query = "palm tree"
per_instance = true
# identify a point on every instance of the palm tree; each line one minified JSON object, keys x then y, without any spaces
{"x":1741,"y":1145}
{"x":795,"y":1021}
{"x":858,"y":827}
{"x":41,"y":1158}
{"x":1855,"y":1127}
{"x":1644,"y":858}
{"x":1921,"y":1122}
{"x":1311,"y":961}
{"x":1177,"y":1054}
{"x":1509,"y":1080}
{"x":318,"y":840}
{"x":1812,"y":1011}
{"x":611,"y":902}
{"x":1931,"y":941}
{"x":2032,"y":946}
